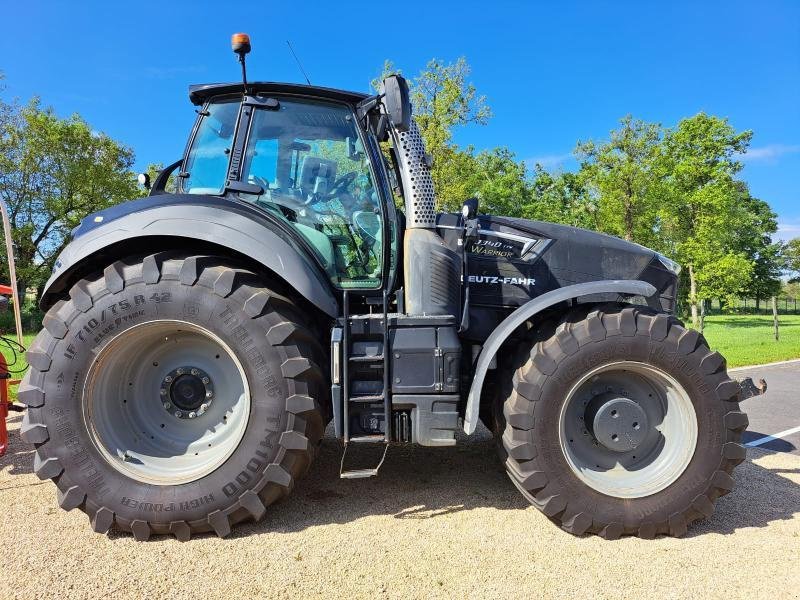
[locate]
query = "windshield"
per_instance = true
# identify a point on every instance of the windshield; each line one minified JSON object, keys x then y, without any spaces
{"x":308,"y":157}
{"x":207,"y":162}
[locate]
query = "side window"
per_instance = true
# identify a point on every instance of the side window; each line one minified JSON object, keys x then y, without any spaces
{"x":310,"y":160}
{"x":207,"y":163}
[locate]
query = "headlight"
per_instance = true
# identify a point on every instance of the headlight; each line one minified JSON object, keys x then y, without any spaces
{"x":669,"y":264}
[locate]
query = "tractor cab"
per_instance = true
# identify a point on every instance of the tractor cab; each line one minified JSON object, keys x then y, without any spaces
{"x":305,"y":161}
{"x":309,"y":159}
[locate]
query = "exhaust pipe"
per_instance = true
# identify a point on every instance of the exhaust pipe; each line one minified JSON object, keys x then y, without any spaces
{"x":432,"y":271}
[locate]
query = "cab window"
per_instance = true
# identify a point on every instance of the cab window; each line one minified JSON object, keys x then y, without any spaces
{"x":207,"y":162}
{"x":309,"y":158}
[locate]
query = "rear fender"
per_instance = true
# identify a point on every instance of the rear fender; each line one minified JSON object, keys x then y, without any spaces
{"x":526,"y":312}
{"x":238,"y":230}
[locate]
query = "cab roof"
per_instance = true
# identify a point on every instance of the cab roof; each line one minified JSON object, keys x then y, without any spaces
{"x":199,"y":93}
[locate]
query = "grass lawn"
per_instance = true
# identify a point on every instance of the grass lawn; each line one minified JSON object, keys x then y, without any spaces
{"x":27,"y":339}
{"x":748,"y":339}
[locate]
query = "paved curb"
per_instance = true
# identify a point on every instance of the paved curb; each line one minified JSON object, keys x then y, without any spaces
{"x":772,"y":364}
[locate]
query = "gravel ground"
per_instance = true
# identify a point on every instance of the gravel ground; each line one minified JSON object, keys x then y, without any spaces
{"x":435,"y":523}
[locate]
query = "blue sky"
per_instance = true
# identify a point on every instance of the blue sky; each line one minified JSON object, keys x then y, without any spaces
{"x":553,"y":72}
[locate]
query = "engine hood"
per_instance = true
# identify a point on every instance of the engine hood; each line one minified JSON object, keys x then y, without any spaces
{"x":513,"y":260}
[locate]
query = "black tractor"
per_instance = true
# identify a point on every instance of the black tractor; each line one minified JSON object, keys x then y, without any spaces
{"x":196,"y":343}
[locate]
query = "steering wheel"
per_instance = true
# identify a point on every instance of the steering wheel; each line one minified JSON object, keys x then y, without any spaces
{"x":342,"y":183}
{"x":368,"y":225}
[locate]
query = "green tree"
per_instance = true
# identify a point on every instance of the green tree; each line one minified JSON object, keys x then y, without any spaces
{"x":561,"y":198}
{"x":701,"y":213}
{"x":625,"y":174}
{"x":53,"y":172}
{"x":153,"y":169}
{"x":498,"y":180}
{"x":791,"y":255}
{"x":444,"y":99}
{"x":754,"y":240}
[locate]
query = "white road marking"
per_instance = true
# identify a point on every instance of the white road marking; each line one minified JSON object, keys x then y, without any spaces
{"x":772,"y":364}
{"x":775,"y":436}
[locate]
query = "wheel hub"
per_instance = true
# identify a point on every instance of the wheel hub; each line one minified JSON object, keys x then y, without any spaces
{"x":616,"y":422}
{"x":186,"y":392}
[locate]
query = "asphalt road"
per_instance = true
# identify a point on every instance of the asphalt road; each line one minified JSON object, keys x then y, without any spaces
{"x":776,"y":411}
{"x":436,"y":523}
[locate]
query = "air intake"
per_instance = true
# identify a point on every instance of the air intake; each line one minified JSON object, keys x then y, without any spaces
{"x":416,"y":175}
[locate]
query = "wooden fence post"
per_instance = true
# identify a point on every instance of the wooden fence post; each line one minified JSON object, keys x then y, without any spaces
{"x":775,"y":316}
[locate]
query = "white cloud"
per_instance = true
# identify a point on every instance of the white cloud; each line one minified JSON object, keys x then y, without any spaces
{"x":549,"y":161}
{"x":769,"y":153}
{"x":788,"y":230}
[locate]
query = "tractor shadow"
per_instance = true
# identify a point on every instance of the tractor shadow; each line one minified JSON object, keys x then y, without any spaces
{"x":774,"y":445}
{"x":18,"y":459}
{"x":762,"y":495}
{"x":421,"y":483}
{"x":415,"y":483}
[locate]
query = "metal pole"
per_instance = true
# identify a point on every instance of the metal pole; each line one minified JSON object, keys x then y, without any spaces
{"x":12,"y":269}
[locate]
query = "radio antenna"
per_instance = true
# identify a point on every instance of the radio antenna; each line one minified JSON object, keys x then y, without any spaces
{"x":297,"y":60}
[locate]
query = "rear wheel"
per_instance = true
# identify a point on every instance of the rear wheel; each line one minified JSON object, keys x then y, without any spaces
{"x":621,"y":421}
{"x":173,"y":395}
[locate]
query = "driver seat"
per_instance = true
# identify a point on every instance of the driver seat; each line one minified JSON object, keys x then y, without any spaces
{"x":317,"y":176}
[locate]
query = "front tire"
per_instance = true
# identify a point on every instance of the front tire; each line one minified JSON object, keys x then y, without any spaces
{"x":621,"y":422}
{"x":173,"y":395}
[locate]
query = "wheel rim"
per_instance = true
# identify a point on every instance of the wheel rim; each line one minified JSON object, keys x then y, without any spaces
{"x":628,"y":429}
{"x":166,"y":402}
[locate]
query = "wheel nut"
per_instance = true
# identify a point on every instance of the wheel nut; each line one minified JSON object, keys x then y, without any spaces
{"x":163,"y":392}
{"x":168,"y":378}
{"x":206,"y":379}
{"x":195,"y":372}
{"x":209,"y":393}
{"x":204,"y":407}
{"x":178,"y":413}
{"x":192,"y":415}
{"x":179,"y":371}
{"x":167,"y":405}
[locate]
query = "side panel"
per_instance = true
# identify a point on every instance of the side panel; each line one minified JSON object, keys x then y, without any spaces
{"x":221,"y":225}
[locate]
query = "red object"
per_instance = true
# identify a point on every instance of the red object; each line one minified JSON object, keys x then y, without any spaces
{"x":6,"y":290}
{"x":3,"y":405}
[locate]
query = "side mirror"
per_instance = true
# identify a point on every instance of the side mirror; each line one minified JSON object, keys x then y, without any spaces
{"x":470,"y":208}
{"x":397,"y":101}
{"x":144,"y":180}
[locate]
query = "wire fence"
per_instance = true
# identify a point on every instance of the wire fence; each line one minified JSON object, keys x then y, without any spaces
{"x":752,"y":306}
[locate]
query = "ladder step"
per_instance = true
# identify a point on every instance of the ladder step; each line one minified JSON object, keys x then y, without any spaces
{"x":378,"y":398}
{"x":367,"y":358}
{"x":358,"y":473}
{"x":362,"y":473}
{"x":365,"y":439}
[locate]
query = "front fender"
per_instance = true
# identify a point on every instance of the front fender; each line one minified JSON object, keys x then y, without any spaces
{"x":241,"y":229}
{"x":524,"y":313}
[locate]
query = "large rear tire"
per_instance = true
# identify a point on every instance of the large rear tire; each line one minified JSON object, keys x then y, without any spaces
{"x":621,"y":422}
{"x":173,"y":395}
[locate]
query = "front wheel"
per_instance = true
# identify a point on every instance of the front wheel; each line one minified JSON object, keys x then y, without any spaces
{"x":173,"y":395}
{"x":622,"y":422}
